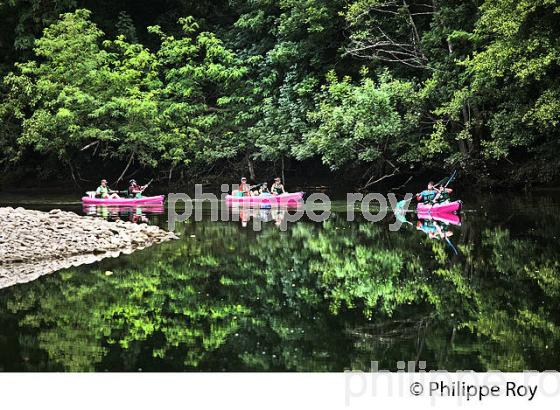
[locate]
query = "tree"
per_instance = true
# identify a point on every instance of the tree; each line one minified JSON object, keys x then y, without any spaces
{"x":369,"y":123}
{"x":84,"y":95}
{"x":198,"y":74}
{"x":514,"y":72}
{"x":117,"y":100}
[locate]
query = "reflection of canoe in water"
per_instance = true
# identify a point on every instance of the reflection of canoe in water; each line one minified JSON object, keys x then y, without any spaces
{"x":92,"y":209}
{"x":428,"y":223}
{"x":124,"y":201}
{"x":444,"y":207}
{"x":449,"y":219}
{"x":291,"y":199}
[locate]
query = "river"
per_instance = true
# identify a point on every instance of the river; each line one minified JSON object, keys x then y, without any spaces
{"x":479,"y":293}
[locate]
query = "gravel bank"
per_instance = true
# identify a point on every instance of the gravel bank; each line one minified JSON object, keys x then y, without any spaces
{"x":34,"y":243}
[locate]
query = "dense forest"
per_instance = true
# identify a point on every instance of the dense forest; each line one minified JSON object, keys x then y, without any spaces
{"x":360,"y":90}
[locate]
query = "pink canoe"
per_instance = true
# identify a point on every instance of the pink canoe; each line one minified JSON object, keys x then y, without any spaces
{"x":143,"y":208}
{"x":444,"y":207}
{"x":124,"y":201}
{"x":283,"y":199}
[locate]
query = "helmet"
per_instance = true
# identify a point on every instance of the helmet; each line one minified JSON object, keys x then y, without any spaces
{"x":132,"y":181}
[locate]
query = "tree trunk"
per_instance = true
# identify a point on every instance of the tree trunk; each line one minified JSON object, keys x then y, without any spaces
{"x":464,"y":146}
{"x":467,"y":125}
{"x":126,"y":168}
{"x":170,"y":174}
{"x":283,"y":178}
{"x":251,"y":168}
{"x":76,"y":183}
{"x":478,"y":128}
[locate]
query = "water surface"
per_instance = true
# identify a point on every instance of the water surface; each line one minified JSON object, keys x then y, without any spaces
{"x":480,"y":295}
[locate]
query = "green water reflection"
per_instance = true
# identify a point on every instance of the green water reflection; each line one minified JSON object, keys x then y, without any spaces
{"x":318,"y":297}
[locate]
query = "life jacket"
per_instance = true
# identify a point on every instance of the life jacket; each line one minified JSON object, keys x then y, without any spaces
{"x":277,"y":188}
{"x":102,"y":191}
{"x":244,"y":187}
{"x":132,"y":188}
{"x":444,"y":196}
{"x":426,"y":227}
{"x":426,"y":196}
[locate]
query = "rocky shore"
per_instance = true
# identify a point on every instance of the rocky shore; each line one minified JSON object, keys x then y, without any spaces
{"x":35,"y":243}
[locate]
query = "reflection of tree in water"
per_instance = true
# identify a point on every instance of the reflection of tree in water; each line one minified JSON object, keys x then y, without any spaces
{"x":317,"y":297}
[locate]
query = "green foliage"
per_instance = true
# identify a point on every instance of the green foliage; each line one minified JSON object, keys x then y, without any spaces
{"x":514,"y":72}
{"x":361,"y":123}
{"x":125,"y":27}
{"x":461,"y":83}
{"x":84,"y":92}
{"x":130,"y":103}
{"x":198,"y":72}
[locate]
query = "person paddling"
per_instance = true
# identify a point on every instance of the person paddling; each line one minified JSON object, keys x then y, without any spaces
{"x":428,"y":195}
{"x":264,"y":189}
{"x":433,"y":195}
{"x":433,"y":229}
{"x":103,"y":191}
{"x":277,"y":188}
{"x":135,"y":190}
{"x":244,"y":187}
{"x":443,"y":194}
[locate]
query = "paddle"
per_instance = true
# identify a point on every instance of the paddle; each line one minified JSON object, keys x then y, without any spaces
{"x":146,"y":186}
{"x":442,"y":181}
{"x":451,"y":178}
{"x":451,"y":245}
{"x":446,"y":181}
{"x":257,"y":186}
{"x":402,"y":203}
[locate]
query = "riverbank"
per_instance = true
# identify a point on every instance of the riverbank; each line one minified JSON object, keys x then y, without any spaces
{"x":35,"y":243}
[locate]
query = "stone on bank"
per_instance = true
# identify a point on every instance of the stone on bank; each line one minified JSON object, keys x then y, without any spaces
{"x":34,"y":243}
